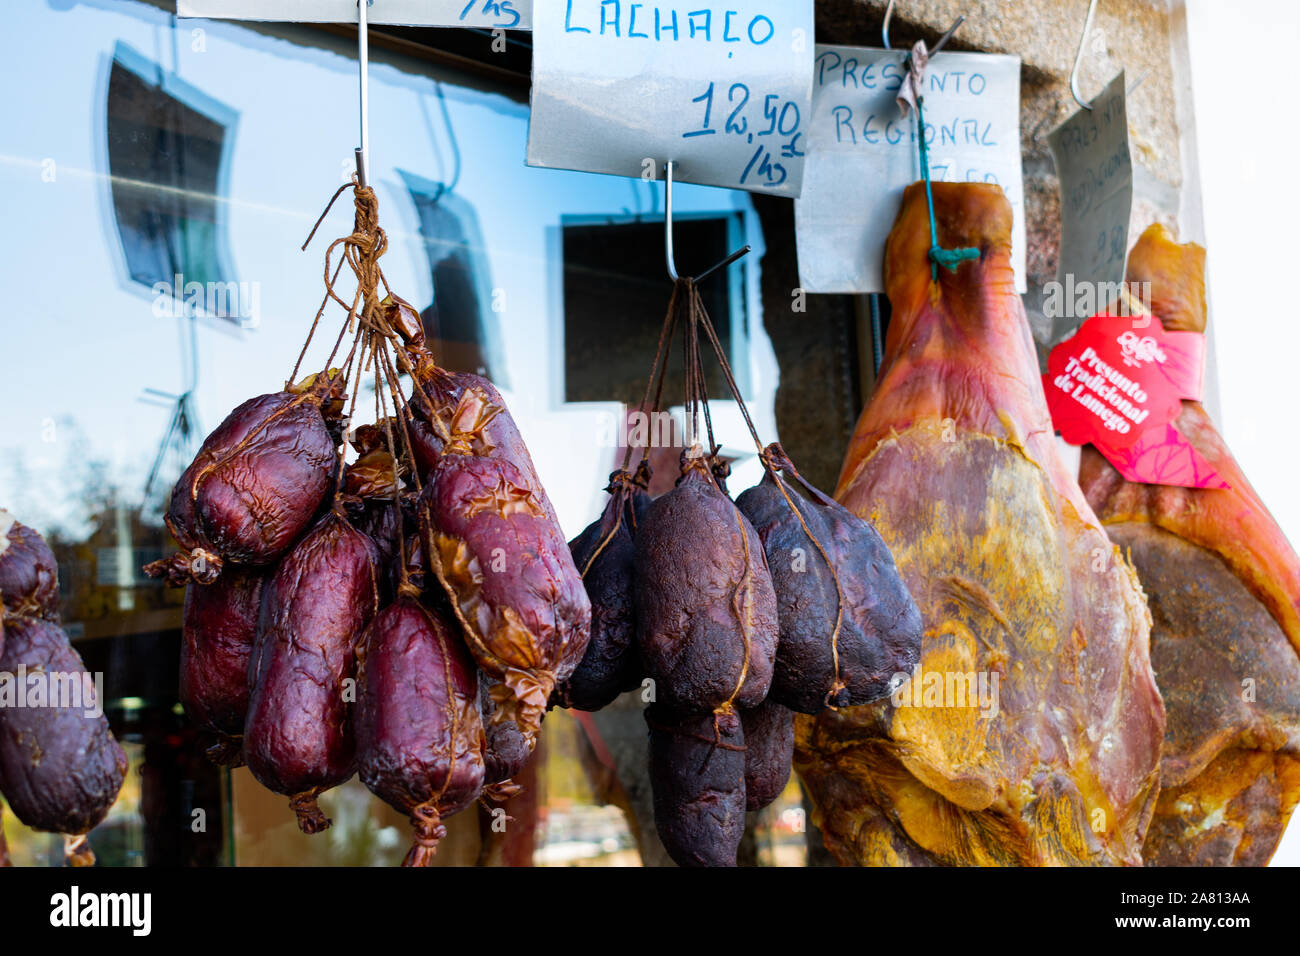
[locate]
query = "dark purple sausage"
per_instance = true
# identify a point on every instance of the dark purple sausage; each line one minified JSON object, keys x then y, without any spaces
{"x":60,"y":768}
{"x":419,"y":732}
{"x":605,"y":556}
{"x":769,"y":748}
{"x":706,"y":611}
{"x":880,"y":630}
{"x":697,"y":772}
{"x":437,"y":401}
{"x":298,"y":738}
{"x":220,"y":628}
{"x":29,"y":575}
{"x":255,"y":486}
{"x":507,"y":569}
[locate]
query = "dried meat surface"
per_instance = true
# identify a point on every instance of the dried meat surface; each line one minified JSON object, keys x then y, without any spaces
{"x":218,"y":633}
{"x":419,"y":733}
{"x":60,"y":767}
{"x":256,"y":484}
{"x":298,"y":739}
{"x":769,"y":748}
{"x":506,"y":567}
{"x":29,"y":575}
{"x":605,"y":555}
{"x":697,"y":772}
{"x":953,"y":461}
{"x":848,"y":624}
{"x":706,"y":611}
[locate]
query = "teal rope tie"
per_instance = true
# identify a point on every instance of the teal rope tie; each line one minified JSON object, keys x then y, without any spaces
{"x":948,"y":258}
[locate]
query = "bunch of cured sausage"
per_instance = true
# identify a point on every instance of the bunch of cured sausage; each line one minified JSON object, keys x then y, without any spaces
{"x":402,"y":612}
{"x":733,"y":615}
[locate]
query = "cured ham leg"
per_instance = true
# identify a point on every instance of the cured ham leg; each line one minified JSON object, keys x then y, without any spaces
{"x":1031,"y":732}
{"x":1224,"y":589}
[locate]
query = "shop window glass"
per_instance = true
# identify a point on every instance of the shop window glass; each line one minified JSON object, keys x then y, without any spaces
{"x":545,"y":280}
{"x":167,"y":144}
{"x":612,"y":319}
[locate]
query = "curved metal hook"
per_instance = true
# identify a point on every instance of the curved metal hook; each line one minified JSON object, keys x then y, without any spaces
{"x":1078,"y":57}
{"x":668,"y":221}
{"x":889,"y":14}
{"x":669,"y":258}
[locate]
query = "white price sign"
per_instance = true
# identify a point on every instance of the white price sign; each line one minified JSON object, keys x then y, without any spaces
{"x":862,"y":154}
{"x":506,"y":14}
{"x":724,"y":91}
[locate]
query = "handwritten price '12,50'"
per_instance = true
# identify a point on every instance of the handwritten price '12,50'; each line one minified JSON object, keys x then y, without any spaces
{"x":780,"y":120}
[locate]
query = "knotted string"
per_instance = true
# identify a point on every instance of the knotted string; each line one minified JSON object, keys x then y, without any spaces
{"x":948,"y":258}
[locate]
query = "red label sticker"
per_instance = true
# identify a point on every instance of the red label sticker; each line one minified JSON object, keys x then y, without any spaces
{"x":1119,"y":384}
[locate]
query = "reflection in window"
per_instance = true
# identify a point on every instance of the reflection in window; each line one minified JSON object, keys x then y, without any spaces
{"x":459,"y":322}
{"x":167,"y":146}
{"x":615,"y":295}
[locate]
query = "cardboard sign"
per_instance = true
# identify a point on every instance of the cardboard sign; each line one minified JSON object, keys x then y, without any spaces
{"x":862,"y":154}
{"x":1119,"y":384}
{"x":723,"y":90}
{"x":507,"y":14}
{"x":1095,"y":167}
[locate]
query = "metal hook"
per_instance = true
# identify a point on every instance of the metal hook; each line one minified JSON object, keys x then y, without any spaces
{"x":668,"y":221}
{"x":1078,"y":57}
{"x":947,"y":35}
{"x":669,"y":257}
{"x":889,"y":14}
{"x":363,"y":60}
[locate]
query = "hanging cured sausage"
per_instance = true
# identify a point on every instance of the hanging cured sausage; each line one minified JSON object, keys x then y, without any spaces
{"x":506,"y":752}
{"x":697,"y":770}
{"x":419,"y":733}
{"x":217,"y":638}
{"x":848,"y":624}
{"x":298,"y":739}
{"x":256,"y":484}
{"x":1031,"y":732}
{"x":605,"y":557}
{"x":706,"y":611}
{"x":506,"y":567}
{"x":769,"y":746}
{"x":60,"y":767}
{"x":1224,"y":588}
{"x":29,"y":575}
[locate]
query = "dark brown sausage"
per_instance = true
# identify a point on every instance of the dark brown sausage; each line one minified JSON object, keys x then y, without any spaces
{"x":255,"y":486}
{"x":29,"y":575}
{"x":419,"y":732}
{"x":880,"y":629}
{"x":434,"y":404}
{"x":506,"y":754}
{"x":706,"y":611}
{"x":605,"y":556}
{"x":769,"y":748}
{"x":298,"y":738}
{"x":220,"y":628}
{"x":697,"y":771}
{"x":507,"y":569}
{"x":60,"y":768}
